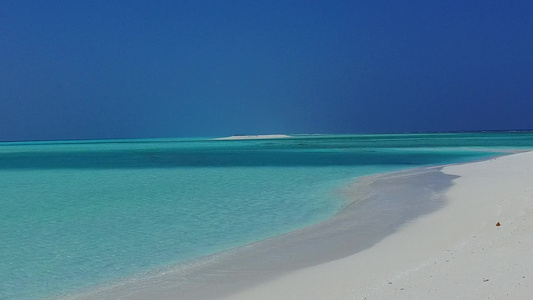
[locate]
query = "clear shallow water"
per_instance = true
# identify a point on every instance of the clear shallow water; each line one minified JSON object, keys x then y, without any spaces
{"x":83,"y":213}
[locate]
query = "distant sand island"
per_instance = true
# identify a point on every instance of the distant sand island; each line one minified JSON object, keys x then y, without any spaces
{"x":254,"y":137}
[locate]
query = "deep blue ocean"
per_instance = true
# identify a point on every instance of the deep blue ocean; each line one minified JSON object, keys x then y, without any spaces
{"x":83,"y":213}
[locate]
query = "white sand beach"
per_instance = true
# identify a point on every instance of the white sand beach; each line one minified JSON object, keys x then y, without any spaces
{"x":457,"y":252}
{"x":449,"y":248}
{"x":254,"y":137}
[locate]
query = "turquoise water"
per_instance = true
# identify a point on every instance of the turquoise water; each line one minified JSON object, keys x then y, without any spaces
{"x":77,"y":214}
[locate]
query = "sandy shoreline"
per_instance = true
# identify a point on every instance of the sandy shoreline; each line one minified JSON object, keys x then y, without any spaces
{"x":457,"y":252}
{"x":353,"y":255}
{"x":354,"y":229}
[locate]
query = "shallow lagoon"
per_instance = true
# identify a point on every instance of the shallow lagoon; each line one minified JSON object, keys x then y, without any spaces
{"x":76,"y":214}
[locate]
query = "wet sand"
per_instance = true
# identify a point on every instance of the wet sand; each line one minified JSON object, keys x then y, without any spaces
{"x":381,"y":204}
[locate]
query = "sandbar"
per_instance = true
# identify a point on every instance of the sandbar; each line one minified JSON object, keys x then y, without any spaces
{"x":254,"y":137}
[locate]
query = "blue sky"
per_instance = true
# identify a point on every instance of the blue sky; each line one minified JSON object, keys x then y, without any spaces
{"x":141,"y":69}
